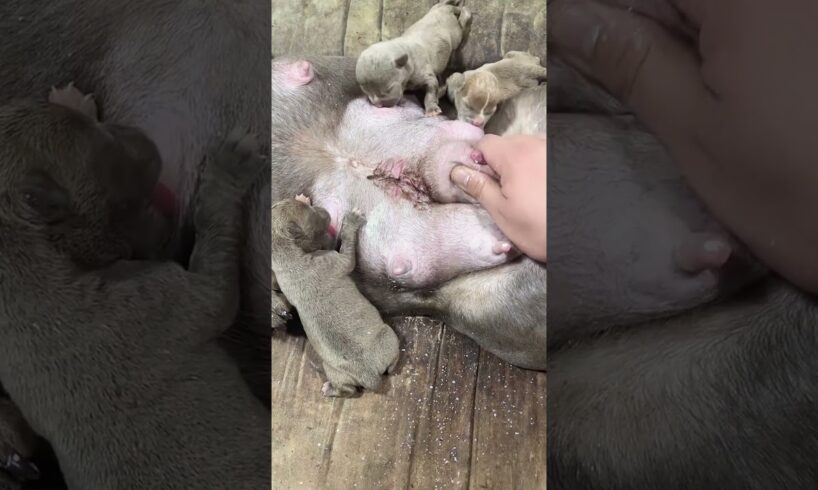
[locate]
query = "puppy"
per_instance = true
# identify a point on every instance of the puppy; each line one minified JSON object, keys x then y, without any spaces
{"x":347,"y":332}
{"x":415,"y":59}
{"x":112,"y":358}
{"x":477,"y":93}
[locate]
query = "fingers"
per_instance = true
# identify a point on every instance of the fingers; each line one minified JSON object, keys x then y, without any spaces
{"x":495,"y":152}
{"x":693,"y":10}
{"x":501,"y":151}
{"x":649,"y":69}
{"x":481,"y":187}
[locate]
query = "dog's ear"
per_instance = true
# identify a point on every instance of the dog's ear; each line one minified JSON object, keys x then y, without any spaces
{"x":454,"y":83}
{"x":401,"y":60}
{"x":42,"y":194}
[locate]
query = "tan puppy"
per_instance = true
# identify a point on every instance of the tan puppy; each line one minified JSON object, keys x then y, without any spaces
{"x":347,"y":332}
{"x":415,"y":59}
{"x":477,"y":93}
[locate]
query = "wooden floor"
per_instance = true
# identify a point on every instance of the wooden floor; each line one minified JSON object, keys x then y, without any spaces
{"x":346,"y":27}
{"x":453,"y":416}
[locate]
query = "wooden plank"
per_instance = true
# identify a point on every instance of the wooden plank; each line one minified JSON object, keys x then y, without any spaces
{"x":518,"y":33}
{"x":365,"y":442}
{"x":539,"y":45}
{"x":509,"y":448}
{"x":316,"y":27}
{"x":363,"y":26}
{"x":287,"y":26}
{"x":377,"y":433}
{"x":442,"y":458}
{"x":398,"y":15}
{"x":483,"y":42}
{"x":324,"y":26}
{"x":301,"y":427}
{"x":440,"y":422}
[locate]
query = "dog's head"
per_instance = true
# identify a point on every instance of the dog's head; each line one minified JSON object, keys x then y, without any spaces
{"x":475,"y":95}
{"x":87,"y":187}
{"x":383,"y":72}
{"x":295,"y":220}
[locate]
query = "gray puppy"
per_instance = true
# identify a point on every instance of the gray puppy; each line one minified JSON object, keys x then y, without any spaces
{"x":113,"y":360}
{"x":415,"y":59}
{"x":477,"y":93}
{"x":347,"y":332}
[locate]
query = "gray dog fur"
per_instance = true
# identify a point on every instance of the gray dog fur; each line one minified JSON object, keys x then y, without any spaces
{"x":91,"y":354}
{"x":346,"y":331}
{"x":416,"y":59}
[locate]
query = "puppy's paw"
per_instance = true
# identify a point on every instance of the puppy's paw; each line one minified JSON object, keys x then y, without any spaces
{"x":238,"y":159}
{"x":302,"y":198}
{"x":433,"y":110}
{"x":70,"y":97}
{"x":343,"y":391}
{"x":20,"y":468}
{"x":281,"y":307}
{"x":354,"y":218}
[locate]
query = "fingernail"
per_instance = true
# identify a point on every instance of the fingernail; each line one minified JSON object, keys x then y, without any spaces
{"x":461,"y":175}
{"x":576,"y":29}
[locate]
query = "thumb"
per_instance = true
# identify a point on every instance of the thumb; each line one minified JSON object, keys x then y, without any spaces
{"x":480,"y":186}
{"x":641,"y":63}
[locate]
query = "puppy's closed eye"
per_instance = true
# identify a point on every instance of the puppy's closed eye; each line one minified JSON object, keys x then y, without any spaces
{"x":46,"y":197}
{"x":294,"y":231}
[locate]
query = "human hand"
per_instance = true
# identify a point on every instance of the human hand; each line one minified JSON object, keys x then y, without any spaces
{"x":517,"y":202}
{"x":737,"y":110}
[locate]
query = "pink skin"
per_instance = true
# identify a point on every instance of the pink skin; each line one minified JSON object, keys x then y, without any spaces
{"x":299,"y":73}
{"x":423,"y":247}
{"x":430,"y":176}
{"x":414,"y":246}
{"x":703,"y":251}
{"x":408,"y":238}
{"x":292,"y":75}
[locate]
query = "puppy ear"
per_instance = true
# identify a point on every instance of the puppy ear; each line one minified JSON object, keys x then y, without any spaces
{"x":48,"y":199}
{"x":401,"y":60}
{"x":454,"y":83}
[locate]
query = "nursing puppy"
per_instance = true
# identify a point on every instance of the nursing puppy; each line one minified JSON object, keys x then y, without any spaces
{"x":347,"y":332}
{"x":477,"y":93}
{"x":113,"y":360}
{"x":415,"y":59}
